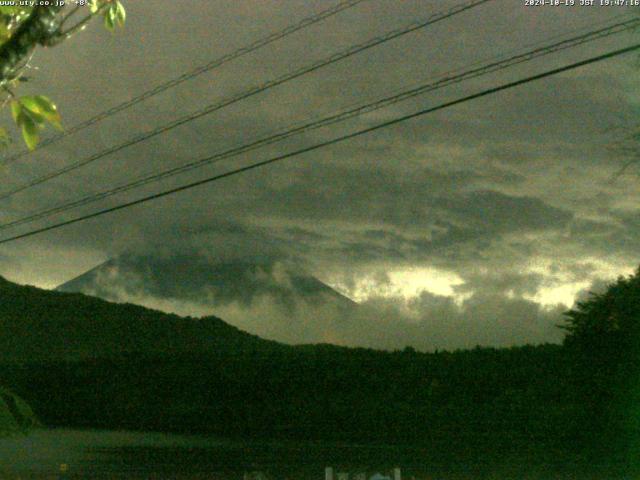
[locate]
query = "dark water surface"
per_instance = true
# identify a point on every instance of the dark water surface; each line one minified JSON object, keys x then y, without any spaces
{"x":74,"y":454}
{"x":59,"y":454}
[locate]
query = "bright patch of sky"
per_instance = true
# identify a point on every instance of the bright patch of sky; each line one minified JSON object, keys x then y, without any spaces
{"x":405,"y":283}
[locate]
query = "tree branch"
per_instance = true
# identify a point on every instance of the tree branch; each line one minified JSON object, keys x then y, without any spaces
{"x":61,"y":36}
{"x":73,"y":11}
{"x":38,"y":29}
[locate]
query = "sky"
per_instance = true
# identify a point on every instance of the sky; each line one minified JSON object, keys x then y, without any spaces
{"x":478,"y":224}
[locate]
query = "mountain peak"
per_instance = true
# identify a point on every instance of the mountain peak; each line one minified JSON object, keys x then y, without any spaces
{"x":273,"y":299}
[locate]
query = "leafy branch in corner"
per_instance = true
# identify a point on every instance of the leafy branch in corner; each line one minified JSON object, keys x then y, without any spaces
{"x":22,"y":30}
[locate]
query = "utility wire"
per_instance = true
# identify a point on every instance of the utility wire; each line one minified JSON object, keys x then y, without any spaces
{"x":213,"y":64}
{"x":444,"y":81}
{"x":333,"y":141}
{"x":373,"y":42}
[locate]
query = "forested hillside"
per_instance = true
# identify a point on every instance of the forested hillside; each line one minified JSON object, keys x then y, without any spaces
{"x":44,"y":325}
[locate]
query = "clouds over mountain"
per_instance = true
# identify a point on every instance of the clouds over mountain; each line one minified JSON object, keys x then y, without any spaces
{"x":276,"y":300}
{"x":506,"y":202}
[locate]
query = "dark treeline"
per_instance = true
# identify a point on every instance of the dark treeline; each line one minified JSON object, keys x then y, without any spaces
{"x":570,"y":406}
{"x":481,"y":402}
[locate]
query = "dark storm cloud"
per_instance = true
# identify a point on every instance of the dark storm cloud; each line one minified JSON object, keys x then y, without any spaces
{"x":495,"y":212}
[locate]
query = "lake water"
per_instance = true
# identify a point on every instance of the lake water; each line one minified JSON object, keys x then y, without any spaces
{"x":74,"y":454}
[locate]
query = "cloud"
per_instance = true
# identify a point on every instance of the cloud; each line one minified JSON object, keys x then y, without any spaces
{"x":276,"y":301}
{"x":428,"y":322}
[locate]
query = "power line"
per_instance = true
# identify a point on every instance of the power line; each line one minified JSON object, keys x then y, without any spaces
{"x":213,"y":64}
{"x":445,"y":80}
{"x":327,"y":143}
{"x":336,"y":57}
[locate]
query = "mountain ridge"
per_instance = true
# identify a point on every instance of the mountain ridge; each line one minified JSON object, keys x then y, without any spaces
{"x":273,"y":299}
{"x":45,"y":325}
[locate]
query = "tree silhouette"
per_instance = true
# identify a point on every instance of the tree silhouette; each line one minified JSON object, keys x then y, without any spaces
{"x":604,"y":340}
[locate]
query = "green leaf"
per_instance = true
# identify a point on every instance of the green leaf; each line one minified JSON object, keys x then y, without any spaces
{"x":43,"y":108}
{"x":16,"y":110}
{"x":114,"y":16}
{"x":110,"y":19}
{"x":94,"y":6}
{"x":30,"y":130}
{"x":28,"y":109}
{"x":30,"y":114}
{"x":121,"y":14}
